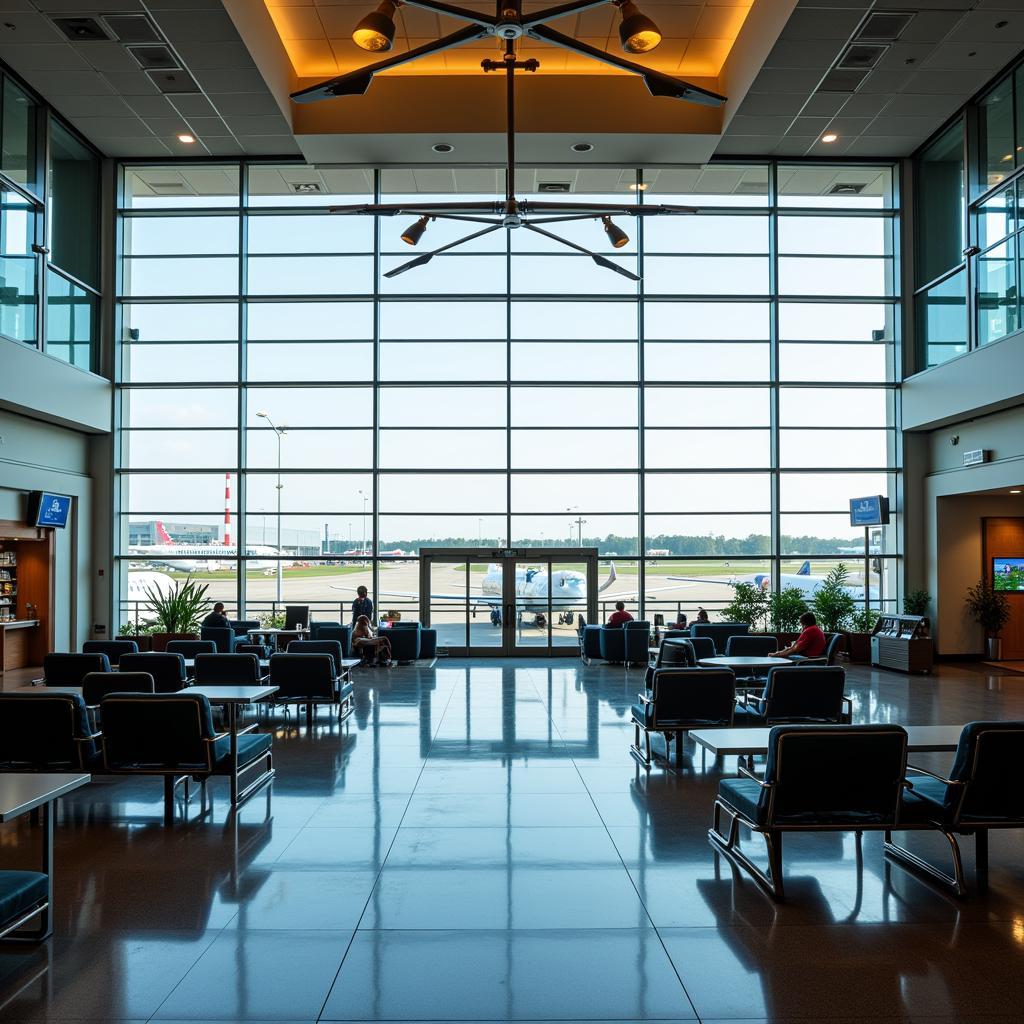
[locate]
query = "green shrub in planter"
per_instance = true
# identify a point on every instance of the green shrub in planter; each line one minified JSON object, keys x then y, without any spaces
{"x":833,"y":604}
{"x":785,"y":608}
{"x":749,"y":604}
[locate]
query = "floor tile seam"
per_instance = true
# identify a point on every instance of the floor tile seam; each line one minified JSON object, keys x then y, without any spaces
{"x":376,"y":880}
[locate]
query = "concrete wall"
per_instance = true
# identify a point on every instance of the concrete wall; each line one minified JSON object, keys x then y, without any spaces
{"x":37,"y":456}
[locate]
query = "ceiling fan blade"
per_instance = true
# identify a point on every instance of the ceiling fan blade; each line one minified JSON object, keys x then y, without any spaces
{"x":609,"y":265}
{"x":420,"y":261}
{"x":603,"y":209}
{"x":657,"y":83}
{"x":492,"y":207}
{"x":355,"y":83}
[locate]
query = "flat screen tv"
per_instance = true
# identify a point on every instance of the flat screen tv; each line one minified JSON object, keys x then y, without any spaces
{"x":1008,"y":574}
{"x":46,"y":509}
{"x":870,"y":511}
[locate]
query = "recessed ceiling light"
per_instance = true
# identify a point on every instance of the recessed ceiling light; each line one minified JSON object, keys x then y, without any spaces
{"x":829,"y":137}
{"x":582,"y":147}
{"x":443,"y":147}
{"x":186,"y":138}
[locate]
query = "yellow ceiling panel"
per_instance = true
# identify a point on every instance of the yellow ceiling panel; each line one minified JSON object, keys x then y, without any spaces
{"x":315,"y":54}
{"x":704,"y":57}
{"x":296,"y":23}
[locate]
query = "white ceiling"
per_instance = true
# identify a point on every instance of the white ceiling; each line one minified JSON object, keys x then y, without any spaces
{"x":101,"y":89}
{"x":949,"y":50}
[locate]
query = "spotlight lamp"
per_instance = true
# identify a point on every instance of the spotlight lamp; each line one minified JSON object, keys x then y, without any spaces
{"x":376,"y":31}
{"x":637,"y":33}
{"x":414,"y":232}
{"x":615,"y":234}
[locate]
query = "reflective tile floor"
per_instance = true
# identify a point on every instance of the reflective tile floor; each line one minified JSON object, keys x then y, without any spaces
{"x":475,"y":843}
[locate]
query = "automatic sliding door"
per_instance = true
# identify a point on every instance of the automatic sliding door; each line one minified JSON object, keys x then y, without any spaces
{"x":532,"y":625}
{"x":447,"y":594}
{"x":486,"y":605}
{"x":569,"y":588}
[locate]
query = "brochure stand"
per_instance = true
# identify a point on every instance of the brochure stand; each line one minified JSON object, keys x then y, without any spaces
{"x":901,"y":642}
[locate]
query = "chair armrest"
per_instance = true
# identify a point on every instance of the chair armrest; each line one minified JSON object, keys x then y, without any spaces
{"x":249,"y":728}
{"x":41,"y":681}
{"x":848,"y":704}
{"x":750,"y":775}
{"x":645,"y":698}
{"x":932,"y":775}
{"x":218,"y":736}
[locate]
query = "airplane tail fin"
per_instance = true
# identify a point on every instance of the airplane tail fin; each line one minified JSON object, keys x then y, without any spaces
{"x":162,"y":535}
{"x":805,"y":569}
{"x":611,"y":578}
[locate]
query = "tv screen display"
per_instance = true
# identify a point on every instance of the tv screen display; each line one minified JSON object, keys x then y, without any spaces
{"x":46,"y":509}
{"x":870,"y":511}
{"x":1008,"y":574}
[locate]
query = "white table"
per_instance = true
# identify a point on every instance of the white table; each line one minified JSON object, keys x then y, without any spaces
{"x":743,"y":663}
{"x":21,"y":793}
{"x":920,"y":739}
{"x":190,"y":664}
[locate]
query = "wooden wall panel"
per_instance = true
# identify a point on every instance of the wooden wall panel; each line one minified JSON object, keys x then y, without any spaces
{"x":1004,"y":536}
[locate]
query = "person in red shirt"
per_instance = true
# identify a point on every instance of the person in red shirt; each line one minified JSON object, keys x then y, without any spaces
{"x":810,"y":644}
{"x":620,"y":616}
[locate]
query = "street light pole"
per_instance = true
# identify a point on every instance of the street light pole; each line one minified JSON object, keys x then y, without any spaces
{"x":279,"y":432}
{"x":365,"y":497}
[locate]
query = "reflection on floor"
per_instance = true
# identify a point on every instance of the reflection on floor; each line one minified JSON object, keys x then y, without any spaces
{"x":477,"y":844}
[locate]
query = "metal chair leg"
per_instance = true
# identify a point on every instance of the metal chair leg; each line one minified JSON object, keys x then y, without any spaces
{"x":904,"y":856}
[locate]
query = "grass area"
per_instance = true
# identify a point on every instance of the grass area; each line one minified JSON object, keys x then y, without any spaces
{"x":291,"y":572}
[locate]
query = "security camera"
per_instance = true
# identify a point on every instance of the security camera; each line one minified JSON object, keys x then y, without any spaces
{"x":954,"y":440}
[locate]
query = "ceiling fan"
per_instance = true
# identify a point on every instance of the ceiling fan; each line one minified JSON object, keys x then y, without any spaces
{"x":637,"y":33}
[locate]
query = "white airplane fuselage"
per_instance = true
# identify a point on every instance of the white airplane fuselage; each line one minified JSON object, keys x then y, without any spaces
{"x":534,"y":585}
{"x":196,"y":557}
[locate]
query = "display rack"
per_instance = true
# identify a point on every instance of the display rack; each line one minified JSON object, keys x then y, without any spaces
{"x":901,"y":642}
{"x":8,"y":586}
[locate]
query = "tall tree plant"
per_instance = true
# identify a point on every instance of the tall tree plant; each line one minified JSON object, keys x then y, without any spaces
{"x":833,"y":604}
{"x":181,"y":609}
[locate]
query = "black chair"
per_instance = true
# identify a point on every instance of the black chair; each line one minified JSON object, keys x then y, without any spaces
{"x":748,"y":645}
{"x":96,"y":685}
{"x":223,"y":638}
{"x":24,"y":895}
{"x":173,"y":735}
{"x":71,"y":669}
{"x":310,"y":679}
{"x":260,"y":650}
{"x":682,"y":699}
{"x":227,"y":670}
{"x":703,"y":647}
{"x":830,"y":657}
{"x":980,"y":793}
{"x":242,"y":627}
{"x":718,"y":632}
{"x":45,"y":732}
{"x":191,"y":648}
{"x":830,"y":778}
{"x":166,"y":668}
{"x":331,"y":647}
{"x":792,"y":694}
{"x":315,"y":627}
{"x":343,"y":634}
{"x":113,"y":649}
{"x":673,"y":653}
{"x":296,"y":615}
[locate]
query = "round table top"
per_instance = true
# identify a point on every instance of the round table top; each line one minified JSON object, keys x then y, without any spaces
{"x":743,"y":661}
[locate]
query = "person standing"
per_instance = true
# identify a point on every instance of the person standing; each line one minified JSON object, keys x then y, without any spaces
{"x":362,"y":605}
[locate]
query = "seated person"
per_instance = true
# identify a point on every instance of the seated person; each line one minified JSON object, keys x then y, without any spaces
{"x":217,"y":618}
{"x":371,"y":646}
{"x":810,"y":644}
{"x":702,"y":616}
{"x":680,"y":622}
{"x":619,"y":617}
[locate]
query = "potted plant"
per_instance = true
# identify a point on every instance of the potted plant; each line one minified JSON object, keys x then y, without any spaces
{"x":833,"y":604}
{"x":858,"y":637}
{"x":991,"y":610}
{"x":749,"y":604}
{"x":140,"y":632}
{"x":916,"y":602}
{"x":784,"y":610}
{"x":177,"y":612}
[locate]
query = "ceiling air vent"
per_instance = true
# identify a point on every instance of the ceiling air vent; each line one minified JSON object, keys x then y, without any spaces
{"x":303,"y":188}
{"x":154,"y":57}
{"x":81,"y":30}
{"x":554,"y":186}
{"x":884,"y":26}
{"x":861,"y":56}
{"x":841,"y":188}
{"x":132,"y":28}
{"x":173,"y":82}
{"x":843,"y":81}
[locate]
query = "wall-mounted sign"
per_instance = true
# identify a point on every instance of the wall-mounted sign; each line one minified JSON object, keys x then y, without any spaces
{"x":976,"y":457}
{"x":870,"y":511}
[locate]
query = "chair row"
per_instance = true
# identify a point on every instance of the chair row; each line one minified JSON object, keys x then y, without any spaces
{"x":143,"y":733}
{"x":856,"y":779}
{"x":625,"y":645}
{"x":683,"y":698}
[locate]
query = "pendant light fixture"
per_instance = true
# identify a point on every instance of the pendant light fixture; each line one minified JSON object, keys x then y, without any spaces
{"x":615,"y":234}
{"x":414,"y":232}
{"x":637,"y":33}
{"x":376,"y":31}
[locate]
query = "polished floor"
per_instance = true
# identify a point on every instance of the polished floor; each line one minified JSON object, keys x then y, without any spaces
{"x":475,"y":843}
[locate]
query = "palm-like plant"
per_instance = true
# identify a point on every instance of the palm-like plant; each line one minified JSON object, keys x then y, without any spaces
{"x":179,"y":610}
{"x":833,"y":603}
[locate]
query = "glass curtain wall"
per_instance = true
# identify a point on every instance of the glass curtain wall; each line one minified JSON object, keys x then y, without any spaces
{"x":49,"y":230}
{"x":293,"y":423}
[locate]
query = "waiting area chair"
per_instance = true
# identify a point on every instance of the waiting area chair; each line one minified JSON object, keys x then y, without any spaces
{"x":981,"y":793}
{"x":718,"y":632}
{"x":46,"y":732}
{"x":172,"y":735}
{"x":674,"y":653}
{"x":71,"y":669}
{"x":335,"y":631}
{"x":589,"y":638}
{"x":310,"y":679}
{"x":749,"y":645}
{"x":838,"y":778}
{"x":97,"y":685}
{"x":812,"y":694}
{"x":24,"y":895}
{"x":191,"y":648}
{"x":223,"y":637}
{"x":679,"y":700}
{"x":166,"y":668}
{"x":833,"y":647}
{"x":626,"y":644}
{"x":113,"y":649}
{"x":296,"y":616}
{"x":228,"y":670}
{"x":331,"y":647}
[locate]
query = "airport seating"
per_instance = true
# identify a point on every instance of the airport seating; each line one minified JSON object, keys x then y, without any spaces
{"x":172,"y":735}
{"x":343,"y":634}
{"x":719,"y":632}
{"x":753,"y":645}
{"x":831,"y":655}
{"x":626,"y":644}
{"x":191,"y":648}
{"x":680,"y":699}
{"x":227,"y":670}
{"x":428,"y":644}
{"x":674,"y":634}
{"x":798,"y":694}
{"x":260,"y":650}
{"x":590,"y":640}
{"x":331,"y":647}
{"x":979,"y":794}
{"x":674,"y":653}
{"x":311,"y":679}
{"x":703,"y":647}
{"x":405,"y":640}
{"x":828,"y":778}
{"x":113,"y":649}
{"x":241,"y":627}
{"x":166,"y":668}
{"x":71,"y":669}
{"x":296,"y":615}
{"x":223,"y":638}
{"x":315,"y":627}
{"x":46,"y":732}
{"x":23,"y":895}
{"x":96,"y":685}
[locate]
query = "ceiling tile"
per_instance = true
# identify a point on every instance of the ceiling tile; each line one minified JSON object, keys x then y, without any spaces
{"x":825,"y":104}
{"x":756,"y":104}
{"x":271,"y":124}
{"x":29,"y":28}
{"x":198,"y":26}
{"x":77,"y":83}
{"x":980,"y":27}
{"x":140,"y":148}
{"x":204,"y":126}
{"x":766,"y":125}
{"x":957,"y":56}
{"x":245,"y":103}
{"x":151,"y":106}
{"x":106,"y":56}
{"x":885,"y":82}
{"x":903,"y":126}
{"x":908,"y":104}
{"x":215,"y":56}
{"x":111,"y":127}
{"x":72,"y":7}
{"x":95,"y":106}
{"x":845,"y":126}
{"x":882,"y":146}
{"x":797,"y":54}
{"x":791,"y":146}
{"x":192,"y":105}
{"x":930,"y":26}
{"x":226,"y":145}
{"x":131,"y":83}
{"x":901,"y":56}
{"x":864,"y":104}
{"x":231,"y":81}
{"x":745,"y":145}
{"x":41,"y":56}
{"x":269,"y":145}
{"x":809,"y":127}
{"x":948,"y":83}
{"x":778,"y":80}
{"x":169,"y":127}
{"x":811,"y":24}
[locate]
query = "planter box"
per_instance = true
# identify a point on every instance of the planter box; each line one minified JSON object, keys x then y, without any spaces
{"x":858,"y":647}
{"x":161,"y":640}
{"x":144,"y":642}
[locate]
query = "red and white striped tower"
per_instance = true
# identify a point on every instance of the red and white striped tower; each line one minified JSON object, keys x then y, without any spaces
{"x":227,"y":510}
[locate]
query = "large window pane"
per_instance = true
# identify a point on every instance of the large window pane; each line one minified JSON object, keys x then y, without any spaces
{"x":180,"y":236}
{"x":706,"y":407}
{"x":18,"y":159}
{"x":179,"y":407}
{"x":181,"y":186}
{"x":940,"y":205}
{"x":71,"y":313}
{"x":942,"y":320}
{"x":997,"y":293}
{"x":708,"y":361}
{"x":17,"y":268}
{"x":707,"y":449}
{"x":73,"y":205}
{"x":707,"y":492}
{"x":441,"y":492}
{"x":832,"y":186}
{"x":995,"y":134}
{"x":835,"y":407}
{"x":442,"y":407}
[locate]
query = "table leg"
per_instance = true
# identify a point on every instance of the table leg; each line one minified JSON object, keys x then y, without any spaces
{"x":309,"y":717}
{"x":46,"y":918}
{"x":233,"y":729}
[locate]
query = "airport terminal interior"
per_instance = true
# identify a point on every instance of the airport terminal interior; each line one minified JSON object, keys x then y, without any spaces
{"x":511,"y":511}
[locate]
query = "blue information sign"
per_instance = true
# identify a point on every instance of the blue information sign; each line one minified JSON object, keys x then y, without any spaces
{"x":870,"y":511}
{"x":53,"y":510}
